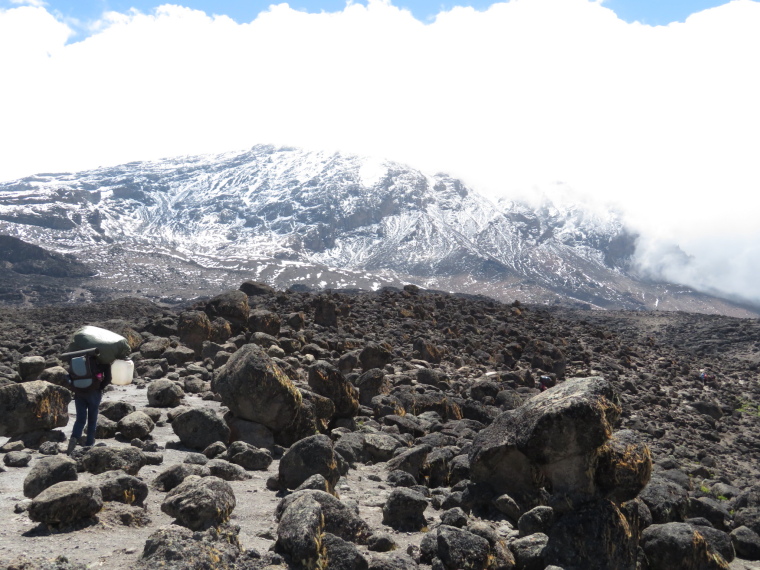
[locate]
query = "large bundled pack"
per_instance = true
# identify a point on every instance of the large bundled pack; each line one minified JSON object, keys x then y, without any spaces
{"x":110,"y":345}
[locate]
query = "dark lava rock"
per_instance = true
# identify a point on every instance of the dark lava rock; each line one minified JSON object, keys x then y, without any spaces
{"x":374,"y":356}
{"x":300,"y":531}
{"x":342,"y":554}
{"x":47,"y":472}
{"x":746,"y":543}
{"x":120,"y":487}
{"x":679,"y":545}
{"x":307,"y":457}
{"x":65,"y":503}
{"x":165,"y":394}
{"x":172,"y":476}
{"x":266,"y":322}
{"x":249,"y":457}
{"x":529,"y":551}
{"x":327,"y":381}
{"x":254,"y":388}
{"x":404,"y":510}
{"x":595,"y":536}
{"x":555,"y":435}
{"x":17,"y":458}
{"x":136,"y":425}
{"x":193,"y":328}
{"x":231,"y":306}
{"x":114,"y":410}
{"x":337,"y":517}
{"x":175,"y":547}
{"x":199,"y":503}
{"x":100,"y":459}
{"x":31,"y":406}
{"x":198,"y":428}
{"x":666,"y":500}
{"x":227,"y":471}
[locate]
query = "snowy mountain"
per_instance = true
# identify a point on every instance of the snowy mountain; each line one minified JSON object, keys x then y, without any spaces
{"x":175,"y":227}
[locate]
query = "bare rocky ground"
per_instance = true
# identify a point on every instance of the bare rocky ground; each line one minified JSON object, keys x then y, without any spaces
{"x":687,"y":387}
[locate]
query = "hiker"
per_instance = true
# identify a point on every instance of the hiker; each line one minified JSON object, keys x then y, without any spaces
{"x":544,"y":383}
{"x":87,"y":378}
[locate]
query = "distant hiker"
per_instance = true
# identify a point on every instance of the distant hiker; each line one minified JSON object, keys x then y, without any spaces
{"x":87,"y":378}
{"x":544,"y":383}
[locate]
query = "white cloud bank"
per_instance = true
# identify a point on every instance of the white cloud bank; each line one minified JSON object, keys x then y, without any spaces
{"x":664,"y":121}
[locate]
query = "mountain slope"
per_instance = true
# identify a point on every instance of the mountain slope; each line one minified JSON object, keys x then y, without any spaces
{"x":290,"y":216}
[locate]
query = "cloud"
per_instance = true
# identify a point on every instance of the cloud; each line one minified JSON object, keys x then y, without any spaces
{"x":662,"y":121}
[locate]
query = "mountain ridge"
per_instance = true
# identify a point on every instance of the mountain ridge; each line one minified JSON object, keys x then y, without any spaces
{"x":289,"y":216}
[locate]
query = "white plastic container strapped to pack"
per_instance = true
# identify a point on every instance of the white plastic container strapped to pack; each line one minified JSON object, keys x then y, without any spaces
{"x":122,"y":372}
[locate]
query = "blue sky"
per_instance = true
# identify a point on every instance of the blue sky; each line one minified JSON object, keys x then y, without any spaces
{"x":651,"y":12}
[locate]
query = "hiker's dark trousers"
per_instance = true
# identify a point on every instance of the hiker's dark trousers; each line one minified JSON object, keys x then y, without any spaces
{"x":87,"y":411}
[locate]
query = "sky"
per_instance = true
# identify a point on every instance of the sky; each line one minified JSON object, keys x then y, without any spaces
{"x":649,"y":106}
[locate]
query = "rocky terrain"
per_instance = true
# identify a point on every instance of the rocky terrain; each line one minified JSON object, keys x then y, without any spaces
{"x":174,"y":229}
{"x":398,"y":429}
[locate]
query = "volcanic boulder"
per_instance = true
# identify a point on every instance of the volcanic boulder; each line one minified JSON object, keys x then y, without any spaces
{"x":199,"y":503}
{"x":30,"y":406}
{"x":307,"y":457}
{"x":555,"y":436}
{"x":198,"y":428}
{"x":232,"y":306}
{"x":65,"y":503}
{"x":47,"y":472}
{"x":254,"y":388}
{"x":193,"y":328}
{"x":326,"y":380}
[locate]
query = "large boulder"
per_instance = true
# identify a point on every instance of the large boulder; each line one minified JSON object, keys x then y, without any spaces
{"x":404,"y":510}
{"x":30,"y":367}
{"x":164,"y":394}
{"x":47,"y":472}
{"x":255,"y":288}
{"x":372,"y":383}
{"x":263,"y":321}
{"x":121,"y":487}
{"x":136,"y":425}
{"x":249,"y":457}
{"x":175,"y":474}
{"x":458,"y":548}
{"x":172,"y":547}
{"x":679,"y":545}
{"x":231,"y":306}
{"x":199,"y":503}
{"x":194,"y":327}
{"x":115,"y":409}
{"x":198,"y":428}
{"x":250,"y":432}
{"x":31,"y":406}
{"x":254,"y":388}
{"x":374,"y":356}
{"x":308,"y":457}
{"x":667,"y":501}
{"x":325,"y":312}
{"x":554,"y":436}
{"x":624,"y":467}
{"x":65,"y":503}
{"x":57,"y":375}
{"x":300,"y":533}
{"x":338,"y":518}
{"x":595,"y":537}
{"x":327,"y":381}
{"x":100,"y":459}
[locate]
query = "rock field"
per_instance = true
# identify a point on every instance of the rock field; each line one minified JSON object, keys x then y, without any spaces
{"x":393,"y":430}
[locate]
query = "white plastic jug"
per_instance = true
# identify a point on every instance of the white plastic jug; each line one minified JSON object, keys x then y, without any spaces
{"x":122,"y":372}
